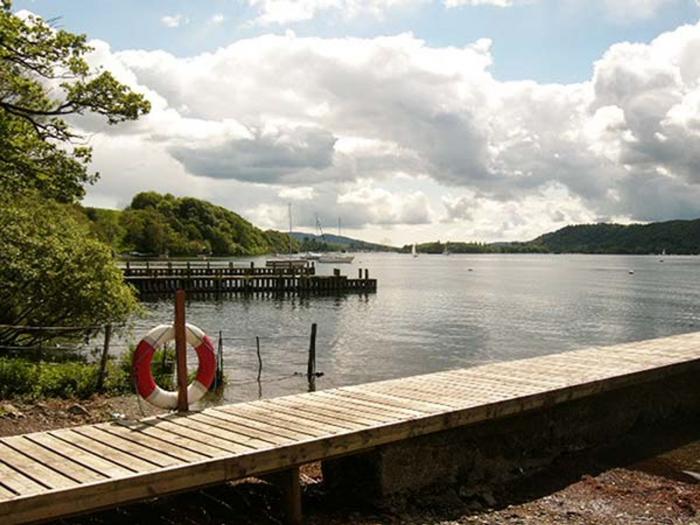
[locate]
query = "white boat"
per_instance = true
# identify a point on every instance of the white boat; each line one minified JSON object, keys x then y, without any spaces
{"x":413,"y":250}
{"x":336,"y":258}
{"x":311,"y":256}
{"x":288,"y":262}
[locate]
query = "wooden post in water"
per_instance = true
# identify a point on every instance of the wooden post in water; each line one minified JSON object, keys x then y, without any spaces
{"x":311,"y":367}
{"x":105,"y":356}
{"x":257,"y":346}
{"x":181,"y":351}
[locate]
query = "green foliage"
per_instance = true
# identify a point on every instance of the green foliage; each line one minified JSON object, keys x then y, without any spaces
{"x":335,"y":243}
{"x":23,"y":378}
{"x":54,"y":272}
{"x":44,"y":78}
{"x":156,"y":224}
{"x":474,"y":247}
{"x":679,"y":237}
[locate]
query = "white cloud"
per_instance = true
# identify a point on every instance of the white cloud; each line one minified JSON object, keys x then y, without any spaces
{"x":289,"y":11}
{"x":303,"y":193}
{"x":173,"y":21}
{"x":218,"y":18}
{"x":389,"y":131}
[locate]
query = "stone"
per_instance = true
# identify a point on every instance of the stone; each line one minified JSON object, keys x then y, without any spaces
{"x":10,"y":411}
{"x":78,"y":410}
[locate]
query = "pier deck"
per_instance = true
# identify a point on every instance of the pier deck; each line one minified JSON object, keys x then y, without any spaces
{"x":57,"y":473}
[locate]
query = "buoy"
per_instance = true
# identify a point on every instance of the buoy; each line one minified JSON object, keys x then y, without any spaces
{"x":631,"y":272}
{"x":143,"y":356}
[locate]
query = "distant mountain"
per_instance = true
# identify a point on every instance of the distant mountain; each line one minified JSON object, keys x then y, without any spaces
{"x":329,"y":242}
{"x":679,"y":237}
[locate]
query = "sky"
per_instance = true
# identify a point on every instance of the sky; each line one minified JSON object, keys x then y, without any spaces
{"x":411,"y":120}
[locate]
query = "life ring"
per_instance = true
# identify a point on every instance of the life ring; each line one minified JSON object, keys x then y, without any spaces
{"x":143,"y":356}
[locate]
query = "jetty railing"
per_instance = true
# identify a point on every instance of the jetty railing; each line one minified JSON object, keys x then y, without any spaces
{"x":188,"y":269}
{"x":245,"y":281}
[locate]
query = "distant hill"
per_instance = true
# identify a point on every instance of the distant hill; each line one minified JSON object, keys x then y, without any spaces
{"x":679,"y":237}
{"x":329,"y":242}
{"x":155,"y":224}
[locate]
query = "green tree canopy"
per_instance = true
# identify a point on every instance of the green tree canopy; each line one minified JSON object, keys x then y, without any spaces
{"x":54,"y":272}
{"x":45,"y":78}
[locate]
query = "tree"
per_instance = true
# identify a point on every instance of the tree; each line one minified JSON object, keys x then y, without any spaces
{"x":54,"y":273}
{"x":45,"y":78}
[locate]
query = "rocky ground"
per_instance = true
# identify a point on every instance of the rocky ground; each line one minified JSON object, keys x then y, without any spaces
{"x":650,"y":478}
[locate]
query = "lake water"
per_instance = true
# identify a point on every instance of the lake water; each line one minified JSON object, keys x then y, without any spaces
{"x":438,"y":312}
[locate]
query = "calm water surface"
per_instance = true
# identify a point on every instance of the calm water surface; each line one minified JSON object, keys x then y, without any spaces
{"x":438,"y":312}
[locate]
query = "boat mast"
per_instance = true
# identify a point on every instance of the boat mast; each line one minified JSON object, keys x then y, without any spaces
{"x":289,"y":208}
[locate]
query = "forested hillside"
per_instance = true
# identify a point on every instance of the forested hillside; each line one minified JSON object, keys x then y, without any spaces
{"x":679,"y":237}
{"x":155,"y":224}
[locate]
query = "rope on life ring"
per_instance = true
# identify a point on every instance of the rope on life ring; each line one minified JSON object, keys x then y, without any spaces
{"x":143,"y":356}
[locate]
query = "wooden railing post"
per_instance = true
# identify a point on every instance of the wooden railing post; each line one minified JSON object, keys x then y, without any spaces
{"x":181,"y":351}
{"x":104,"y":358}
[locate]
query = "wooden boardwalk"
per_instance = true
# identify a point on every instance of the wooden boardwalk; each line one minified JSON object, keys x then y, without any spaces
{"x":57,"y":473}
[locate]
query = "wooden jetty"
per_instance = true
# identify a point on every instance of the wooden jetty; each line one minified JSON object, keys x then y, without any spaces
{"x":47,"y":475}
{"x":230,"y":279}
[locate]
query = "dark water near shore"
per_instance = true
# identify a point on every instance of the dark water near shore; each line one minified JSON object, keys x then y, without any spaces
{"x":436,"y":312}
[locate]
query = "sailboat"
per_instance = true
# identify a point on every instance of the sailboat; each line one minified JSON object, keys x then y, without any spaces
{"x":413,"y":250}
{"x":290,"y":260}
{"x":336,"y":258}
{"x":446,"y":251}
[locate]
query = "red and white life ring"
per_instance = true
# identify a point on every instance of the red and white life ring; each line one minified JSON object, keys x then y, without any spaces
{"x":143,"y":356}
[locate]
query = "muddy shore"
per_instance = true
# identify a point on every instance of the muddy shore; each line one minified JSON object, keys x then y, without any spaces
{"x":647,"y":478}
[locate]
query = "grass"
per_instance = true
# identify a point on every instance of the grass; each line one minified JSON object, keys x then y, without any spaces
{"x":29,"y":379}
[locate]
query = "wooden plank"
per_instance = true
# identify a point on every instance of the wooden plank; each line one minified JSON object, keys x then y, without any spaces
{"x":248,"y":443}
{"x":333,"y":413}
{"x":317,"y":420}
{"x":376,"y":402}
{"x":373,"y":395}
{"x":176,"y":440}
{"x":33,"y":469}
{"x":274,"y":429}
{"x":198,"y":437}
{"x":229,"y":424}
{"x":17,"y":482}
{"x":114,"y":455}
{"x":64,"y":465}
{"x":5,"y":493}
{"x":414,"y":396}
{"x":150,"y":442}
{"x":86,"y":459}
{"x":379,"y":413}
{"x":277,"y":420}
{"x":128,"y":447}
